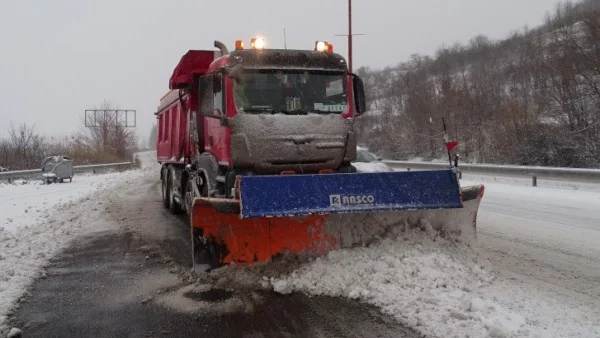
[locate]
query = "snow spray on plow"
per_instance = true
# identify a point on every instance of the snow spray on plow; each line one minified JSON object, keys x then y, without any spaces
{"x":318,"y":213}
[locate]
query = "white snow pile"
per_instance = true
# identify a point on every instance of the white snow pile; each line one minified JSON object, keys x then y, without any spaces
{"x":24,"y":202}
{"x":440,"y":289}
{"x":429,"y":285}
{"x":60,"y":217}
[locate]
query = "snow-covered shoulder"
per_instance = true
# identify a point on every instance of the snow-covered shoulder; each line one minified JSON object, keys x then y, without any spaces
{"x":439,"y":288}
{"x":37,"y":221}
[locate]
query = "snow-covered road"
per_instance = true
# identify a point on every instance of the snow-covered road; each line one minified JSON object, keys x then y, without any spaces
{"x":535,"y":271}
{"x":545,"y":241}
{"x":38,"y":221}
{"x":548,"y":234}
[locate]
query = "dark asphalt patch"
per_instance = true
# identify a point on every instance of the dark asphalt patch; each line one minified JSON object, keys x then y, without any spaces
{"x":213,"y":295}
{"x":105,"y":286}
{"x":133,"y":283}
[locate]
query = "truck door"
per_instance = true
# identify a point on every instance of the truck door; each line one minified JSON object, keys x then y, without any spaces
{"x":212,"y":107}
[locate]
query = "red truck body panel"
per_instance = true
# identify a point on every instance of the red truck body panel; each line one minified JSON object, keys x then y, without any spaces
{"x":194,"y":62}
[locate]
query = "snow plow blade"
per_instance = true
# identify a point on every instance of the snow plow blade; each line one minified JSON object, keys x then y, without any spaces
{"x":318,"y":213}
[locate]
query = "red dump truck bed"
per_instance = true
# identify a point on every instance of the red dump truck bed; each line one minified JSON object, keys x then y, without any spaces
{"x":174,"y":112}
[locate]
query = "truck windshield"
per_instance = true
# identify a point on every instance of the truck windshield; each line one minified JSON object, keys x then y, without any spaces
{"x":291,"y":92}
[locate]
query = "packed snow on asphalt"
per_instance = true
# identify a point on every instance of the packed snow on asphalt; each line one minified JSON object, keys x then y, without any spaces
{"x":37,"y":221}
{"x":535,"y":271}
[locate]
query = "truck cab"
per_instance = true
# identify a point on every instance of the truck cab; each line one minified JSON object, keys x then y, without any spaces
{"x":258,"y":112}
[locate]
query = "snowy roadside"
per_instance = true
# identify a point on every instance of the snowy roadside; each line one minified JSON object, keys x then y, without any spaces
{"x":39,"y":221}
{"x":24,"y":203}
{"x":554,"y":218}
{"x":442,"y":290}
{"x":535,"y":272}
{"x":526,"y":181}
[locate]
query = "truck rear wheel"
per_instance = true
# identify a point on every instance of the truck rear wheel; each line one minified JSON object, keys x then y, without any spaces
{"x":165,"y":189}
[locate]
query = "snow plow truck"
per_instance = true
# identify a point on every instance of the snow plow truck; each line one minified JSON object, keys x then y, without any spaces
{"x":256,"y":145}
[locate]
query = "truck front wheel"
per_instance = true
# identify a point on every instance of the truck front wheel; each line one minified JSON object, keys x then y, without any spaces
{"x":174,"y":206}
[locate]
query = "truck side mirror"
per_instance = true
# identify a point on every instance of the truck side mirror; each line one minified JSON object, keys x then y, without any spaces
{"x":359,"y":95}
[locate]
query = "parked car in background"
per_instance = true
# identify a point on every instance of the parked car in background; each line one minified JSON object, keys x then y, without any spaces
{"x":367,"y":162}
{"x":2,"y":169}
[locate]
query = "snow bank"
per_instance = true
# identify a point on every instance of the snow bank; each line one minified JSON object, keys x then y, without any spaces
{"x":24,"y":203}
{"x":425,"y":284}
{"x":44,"y":220}
{"x":440,"y":289}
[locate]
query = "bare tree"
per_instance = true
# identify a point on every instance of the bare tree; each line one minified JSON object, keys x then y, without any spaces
{"x":107,"y":134}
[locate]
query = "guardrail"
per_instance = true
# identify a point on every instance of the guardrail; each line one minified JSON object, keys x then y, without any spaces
{"x":29,"y":174}
{"x":508,"y":170}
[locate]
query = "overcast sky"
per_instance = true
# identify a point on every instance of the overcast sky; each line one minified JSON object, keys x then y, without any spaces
{"x":60,"y":57}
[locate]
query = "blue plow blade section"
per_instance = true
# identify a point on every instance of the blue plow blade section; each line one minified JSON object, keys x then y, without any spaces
{"x":296,"y":195}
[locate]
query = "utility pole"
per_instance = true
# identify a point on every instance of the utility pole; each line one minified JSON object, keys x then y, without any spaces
{"x":350,"y":35}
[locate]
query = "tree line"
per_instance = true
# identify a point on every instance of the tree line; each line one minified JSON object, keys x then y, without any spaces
{"x":107,"y":141}
{"x":531,"y":99}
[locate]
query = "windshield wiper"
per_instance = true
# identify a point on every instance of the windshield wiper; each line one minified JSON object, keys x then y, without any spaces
{"x":294,"y":112}
{"x":286,"y":112}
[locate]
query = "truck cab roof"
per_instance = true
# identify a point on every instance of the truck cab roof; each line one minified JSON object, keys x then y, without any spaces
{"x":288,"y":59}
{"x":198,"y":62}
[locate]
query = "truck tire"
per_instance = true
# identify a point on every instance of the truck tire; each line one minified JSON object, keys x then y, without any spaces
{"x":174,"y":206}
{"x":165,"y":189}
{"x":189,"y":194}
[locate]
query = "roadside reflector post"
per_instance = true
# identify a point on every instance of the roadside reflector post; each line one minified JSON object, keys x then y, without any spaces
{"x":534,"y":180}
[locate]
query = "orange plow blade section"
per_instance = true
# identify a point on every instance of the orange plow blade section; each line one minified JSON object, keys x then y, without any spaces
{"x":258,"y":239}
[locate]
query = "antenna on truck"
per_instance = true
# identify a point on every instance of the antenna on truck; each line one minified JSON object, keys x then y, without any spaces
{"x":222,"y":47}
